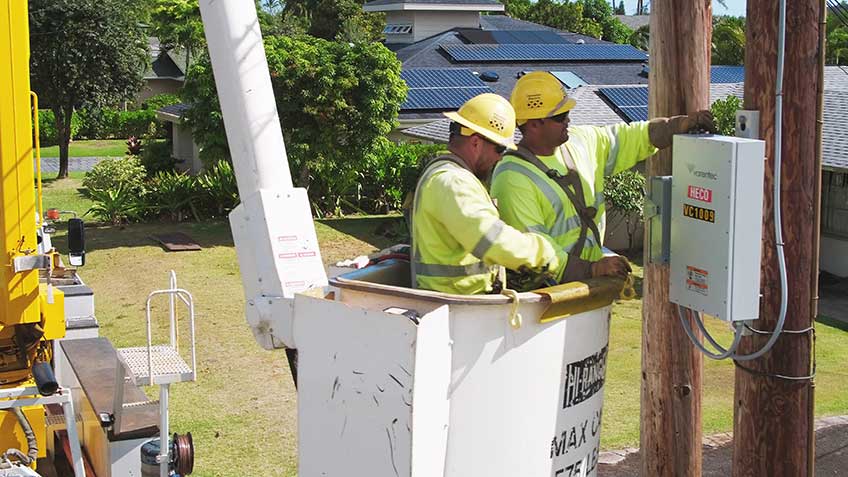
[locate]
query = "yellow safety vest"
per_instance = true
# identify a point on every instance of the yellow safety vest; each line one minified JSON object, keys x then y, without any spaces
{"x":458,"y":238}
{"x":529,"y":199}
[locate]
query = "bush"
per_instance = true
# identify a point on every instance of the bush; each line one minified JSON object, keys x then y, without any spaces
{"x":625,"y":195}
{"x":115,"y":206}
{"x":219,"y":185}
{"x":47,"y":132}
{"x":126,"y":174}
{"x":391,"y":172}
{"x":724,"y":114}
{"x":173,"y":193}
{"x":98,"y":123}
{"x":156,"y":156}
{"x":135,"y":123}
{"x":159,"y":101}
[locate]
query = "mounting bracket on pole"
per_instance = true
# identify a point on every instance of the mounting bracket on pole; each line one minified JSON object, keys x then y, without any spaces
{"x":657,"y":211}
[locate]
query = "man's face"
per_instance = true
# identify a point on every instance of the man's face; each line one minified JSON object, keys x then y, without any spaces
{"x":489,"y":155}
{"x":556,"y":128}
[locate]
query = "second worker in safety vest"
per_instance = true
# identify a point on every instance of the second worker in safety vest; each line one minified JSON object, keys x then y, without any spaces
{"x":458,"y":239}
{"x":554,"y":183}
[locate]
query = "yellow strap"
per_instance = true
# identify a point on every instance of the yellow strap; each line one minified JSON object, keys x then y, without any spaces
{"x":628,"y":292}
{"x":514,"y":316}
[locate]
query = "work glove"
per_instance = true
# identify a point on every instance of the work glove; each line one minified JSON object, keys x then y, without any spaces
{"x":661,"y":131}
{"x":615,"y":266}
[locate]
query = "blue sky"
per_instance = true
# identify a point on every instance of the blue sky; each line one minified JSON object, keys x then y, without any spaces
{"x":734,"y":7}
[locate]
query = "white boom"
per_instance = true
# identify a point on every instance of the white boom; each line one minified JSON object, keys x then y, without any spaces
{"x":272,"y":227}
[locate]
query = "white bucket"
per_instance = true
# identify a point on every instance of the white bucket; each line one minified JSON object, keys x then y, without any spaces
{"x":460,"y":393}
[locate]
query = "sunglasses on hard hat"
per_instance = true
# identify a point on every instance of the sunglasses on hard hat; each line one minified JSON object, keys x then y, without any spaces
{"x":560,"y":118}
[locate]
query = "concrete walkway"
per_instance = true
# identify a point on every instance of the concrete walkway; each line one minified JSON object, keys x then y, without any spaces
{"x":831,"y":453}
{"x":50,"y":165}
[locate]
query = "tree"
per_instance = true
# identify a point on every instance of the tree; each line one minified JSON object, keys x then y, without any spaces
{"x":177,"y":23}
{"x":335,"y":101}
{"x":625,"y":193}
{"x":84,"y":52}
{"x":342,"y":20}
{"x":587,"y":17}
{"x":724,"y":114}
{"x":728,"y":46}
{"x":641,"y":38}
{"x":837,"y":38}
{"x":619,"y":10}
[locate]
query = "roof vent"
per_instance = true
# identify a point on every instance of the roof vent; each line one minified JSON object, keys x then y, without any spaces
{"x":581,"y":41}
{"x":392,"y":29}
{"x":489,"y":76}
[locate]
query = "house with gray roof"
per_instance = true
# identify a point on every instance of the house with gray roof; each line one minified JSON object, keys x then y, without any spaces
{"x":165,"y":72}
{"x":414,"y":20}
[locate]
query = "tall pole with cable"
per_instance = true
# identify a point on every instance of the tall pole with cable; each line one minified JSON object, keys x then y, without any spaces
{"x":773,"y":401}
{"x":672,"y":368}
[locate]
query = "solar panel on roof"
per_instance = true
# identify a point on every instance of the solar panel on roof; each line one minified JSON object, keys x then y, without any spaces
{"x":631,"y":102}
{"x":440,"y":78}
{"x":440,"y":98}
{"x":569,"y":79}
{"x":440,"y":89}
{"x":727,"y":74}
{"x":540,"y":52}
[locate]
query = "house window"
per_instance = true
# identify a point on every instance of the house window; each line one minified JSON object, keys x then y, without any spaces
{"x":397,"y":29}
{"x":834,"y":215}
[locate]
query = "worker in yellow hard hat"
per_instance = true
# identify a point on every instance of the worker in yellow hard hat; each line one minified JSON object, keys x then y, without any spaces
{"x":458,"y":239}
{"x":553,"y":183}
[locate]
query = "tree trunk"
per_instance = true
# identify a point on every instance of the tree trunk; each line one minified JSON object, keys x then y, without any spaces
{"x":63,"y":130}
{"x":672,"y":368}
{"x":772,"y":417}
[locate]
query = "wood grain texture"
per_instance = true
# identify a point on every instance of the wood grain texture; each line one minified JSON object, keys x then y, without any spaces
{"x":772,"y":417}
{"x":672,"y":368}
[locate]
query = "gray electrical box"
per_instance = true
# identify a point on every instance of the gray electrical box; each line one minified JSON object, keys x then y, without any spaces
{"x":716,"y":225}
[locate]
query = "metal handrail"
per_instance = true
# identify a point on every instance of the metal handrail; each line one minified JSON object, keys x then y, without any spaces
{"x":186,"y":297}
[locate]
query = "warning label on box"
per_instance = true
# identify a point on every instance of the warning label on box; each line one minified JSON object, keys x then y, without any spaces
{"x":697,"y":280}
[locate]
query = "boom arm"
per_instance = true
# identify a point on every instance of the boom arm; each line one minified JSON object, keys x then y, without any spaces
{"x":272,"y":227}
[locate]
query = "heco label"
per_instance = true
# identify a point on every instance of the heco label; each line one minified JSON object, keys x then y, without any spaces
{"x":700,"y":193}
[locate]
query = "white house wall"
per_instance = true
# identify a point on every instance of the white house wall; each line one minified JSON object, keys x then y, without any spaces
{"x":426,"y":24}
{"x":834,"y":255}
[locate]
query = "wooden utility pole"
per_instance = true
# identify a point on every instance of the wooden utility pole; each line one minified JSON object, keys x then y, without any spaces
{"x":773,"y":416}
{"x":672,"y":368}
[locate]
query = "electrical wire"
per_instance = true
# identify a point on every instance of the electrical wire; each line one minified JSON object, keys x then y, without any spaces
{"x":778,"y":219}
{"x":724,"y":353}
{"x":730,"y":352}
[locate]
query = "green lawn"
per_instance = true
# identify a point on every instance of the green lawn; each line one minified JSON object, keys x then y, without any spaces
{"x":242,"y":409}
{"x":95,"y":148}
{"x":66,"y":194}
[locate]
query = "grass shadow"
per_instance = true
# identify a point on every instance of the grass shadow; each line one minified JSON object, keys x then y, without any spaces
{"x":379,"y":231}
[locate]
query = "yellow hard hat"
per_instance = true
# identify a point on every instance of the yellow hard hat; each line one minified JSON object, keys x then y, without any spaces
{"x":489,"y":115}
{"x":539,"y":95}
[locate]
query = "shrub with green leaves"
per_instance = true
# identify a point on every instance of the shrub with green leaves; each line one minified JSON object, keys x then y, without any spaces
{"x":173,"y":193}
{"x":391,"y":172}
{"x":625,"y":195}
{"x":724,"y":114}
{"x":47,"y":133}
{"x":156,"y":156}
{"x":337,"y":101}
{"x":127,"y":174}
{"x":219,"y":185}
{"x":135,"y":123}
{"x":115,"y":206}
{"x":159,"y":101}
